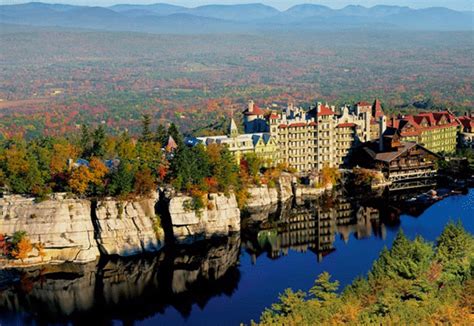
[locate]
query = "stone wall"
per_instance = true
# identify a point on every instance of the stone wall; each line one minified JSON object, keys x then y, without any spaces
{"x":63,"y":226}
{"x":220,"y":217}
{"x":125,"y":228}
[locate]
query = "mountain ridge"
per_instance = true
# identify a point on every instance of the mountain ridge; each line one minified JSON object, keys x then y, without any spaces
{"x":163,"y":17}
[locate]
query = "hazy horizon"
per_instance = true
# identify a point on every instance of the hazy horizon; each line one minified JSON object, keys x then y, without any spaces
{"x":279,"y":4}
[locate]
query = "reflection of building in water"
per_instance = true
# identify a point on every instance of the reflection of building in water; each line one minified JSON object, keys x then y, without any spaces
{"x":314,"y":227}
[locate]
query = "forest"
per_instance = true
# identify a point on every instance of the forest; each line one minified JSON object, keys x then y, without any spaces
{"x":97,"y":164}
{"x":55,"y":80}
{"x":414,"y":282}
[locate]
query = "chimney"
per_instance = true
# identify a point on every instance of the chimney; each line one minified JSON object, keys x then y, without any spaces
{"x":382,"y":127}
{"x":318,"y":107}
{"x":250,"y":107}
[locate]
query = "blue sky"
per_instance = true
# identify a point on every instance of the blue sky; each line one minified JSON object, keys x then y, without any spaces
{"x":280,"y":4}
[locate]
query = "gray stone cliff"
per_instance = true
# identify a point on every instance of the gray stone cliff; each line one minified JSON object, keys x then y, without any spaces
{"x":63,"y":226}
{"x":126,"y":228}
{"x":221,"y":217}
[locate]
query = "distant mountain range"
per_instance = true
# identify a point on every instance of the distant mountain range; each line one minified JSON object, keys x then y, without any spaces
{"x":167,"y":18}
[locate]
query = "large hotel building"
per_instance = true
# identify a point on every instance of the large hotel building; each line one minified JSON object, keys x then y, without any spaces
{"x":309,"y":140}
{"x":304,"y":139}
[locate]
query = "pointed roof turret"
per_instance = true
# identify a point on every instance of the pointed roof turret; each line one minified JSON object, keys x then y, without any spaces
{"x":233,"y":130}
{"x":377,"y":111}
{"x":171,"y":145}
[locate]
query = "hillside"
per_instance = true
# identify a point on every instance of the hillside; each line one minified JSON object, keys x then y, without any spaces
{"x":166,"y":18}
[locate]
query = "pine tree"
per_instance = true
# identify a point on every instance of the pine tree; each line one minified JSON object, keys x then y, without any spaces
{"x":161,"y":135}
{"x":98,"y":142}
{"x":146,"y":131}
{"x":324,"y":289}
{"x":174,"y":132}
{"x":85,"y":141}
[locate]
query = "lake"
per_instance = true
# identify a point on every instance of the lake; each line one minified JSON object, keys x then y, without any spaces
{"x":231,"y":280}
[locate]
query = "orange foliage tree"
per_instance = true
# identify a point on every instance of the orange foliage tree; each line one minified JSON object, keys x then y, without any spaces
{"x":79,"y":180}
{"x":22,"y":248}
{"x":144,"y":182}
{"x":98,"y":171}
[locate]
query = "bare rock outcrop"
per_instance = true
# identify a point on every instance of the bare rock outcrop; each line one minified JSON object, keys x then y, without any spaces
{"x":220,"y":217}
{"x":128,"y":228}
{"x":284,"y":186}
{"x":63,"y":226}
{"x":262,"y":196}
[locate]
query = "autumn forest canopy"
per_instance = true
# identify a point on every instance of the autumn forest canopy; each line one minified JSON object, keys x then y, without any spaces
{"x":54,"y":80}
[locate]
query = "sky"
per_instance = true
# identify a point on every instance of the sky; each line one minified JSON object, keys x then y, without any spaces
{"x":279,"y":4}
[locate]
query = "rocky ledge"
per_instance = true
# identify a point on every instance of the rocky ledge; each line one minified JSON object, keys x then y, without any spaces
{"x":62,"y":226}
{"x":220,"y":217}
{"x":128,"y":228}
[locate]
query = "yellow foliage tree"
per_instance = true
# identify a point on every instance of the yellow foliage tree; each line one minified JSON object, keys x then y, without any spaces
{"x":17,"y":161}
{"x":61,"y":153}
{"x":79,"y":180}
{"x":329,"y":175}
{"x":98,"y":170}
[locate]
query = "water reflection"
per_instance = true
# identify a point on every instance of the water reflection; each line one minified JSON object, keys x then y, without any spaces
{"x":181,"y":277}
{"x":314,"y":225}
{"x":126,"y":289}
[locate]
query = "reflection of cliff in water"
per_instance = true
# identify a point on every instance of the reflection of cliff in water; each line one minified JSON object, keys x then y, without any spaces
{"x":127,"y":288}
{"x":315,"y":225}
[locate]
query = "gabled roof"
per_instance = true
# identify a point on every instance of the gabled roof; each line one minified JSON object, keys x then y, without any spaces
{"x":424,"y":121}
{"x":388,"y":156}
{"x":324,"y":110}
{"x":256,"y":111}
{"x":467,"y":123}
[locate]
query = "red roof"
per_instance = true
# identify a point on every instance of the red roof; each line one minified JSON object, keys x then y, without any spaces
{"x":256,"y":111}
{"x":424,"y":121}
{"x":325,"y":110}
{"x":312,"y":124}
{"x":363,"y":103}
{"x":346,"y":125}
{"x":298,"y":124}
{"x":274,"y":116}
{"x":467,"y":123}
{"x":377,"y":111}
{"x":282,"y":126}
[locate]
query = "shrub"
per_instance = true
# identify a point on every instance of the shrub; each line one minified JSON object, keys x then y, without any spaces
{"x":22,"y":248}
{"x":157,"y":227}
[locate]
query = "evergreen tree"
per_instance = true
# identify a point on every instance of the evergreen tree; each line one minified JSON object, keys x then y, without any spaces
{"x":122,"y":180}
{"x":455,"y":252}
{"x":85,"y":141}
{"x":98,"y":142}
{"x":174,"y":132}
{"x":146,"y":131}
{"x":161,"y":135}
{"x":324,"y":289}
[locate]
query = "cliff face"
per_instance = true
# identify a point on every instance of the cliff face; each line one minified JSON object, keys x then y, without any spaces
{"x":127,"y":227}
{"x":221,"y":217}
{"x":63,"y":226}
{"x":260,"y":197}
{"x":284,"y":186}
